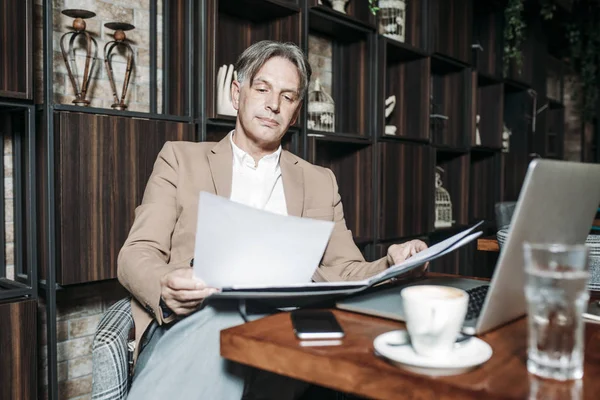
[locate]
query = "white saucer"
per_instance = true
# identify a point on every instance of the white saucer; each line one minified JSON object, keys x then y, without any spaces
{"x":465,"y":357}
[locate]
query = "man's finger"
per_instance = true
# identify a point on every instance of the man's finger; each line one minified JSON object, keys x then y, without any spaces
{"x":184,"y":283}
{"x":190,"y":295}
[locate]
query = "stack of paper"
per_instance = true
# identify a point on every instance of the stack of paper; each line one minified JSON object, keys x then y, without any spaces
{"x":243,"y":250}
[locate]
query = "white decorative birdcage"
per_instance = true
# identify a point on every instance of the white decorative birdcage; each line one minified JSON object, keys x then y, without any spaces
{"x":392,"y":20}
{"x":321,"y":109}
{"x":443,"y":204}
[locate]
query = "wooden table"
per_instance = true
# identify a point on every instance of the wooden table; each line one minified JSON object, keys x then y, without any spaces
{"x":489,"y":243}
{"x":352,"y":367}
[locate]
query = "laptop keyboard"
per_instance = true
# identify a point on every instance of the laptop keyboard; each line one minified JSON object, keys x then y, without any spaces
{"x":476,"y":299}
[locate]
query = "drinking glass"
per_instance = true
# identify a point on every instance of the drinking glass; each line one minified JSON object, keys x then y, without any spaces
{"x":557,"y":295}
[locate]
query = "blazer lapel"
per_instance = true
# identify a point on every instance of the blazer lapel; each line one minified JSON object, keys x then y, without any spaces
{"x":293,"y":184}
{"x":220,"y":160}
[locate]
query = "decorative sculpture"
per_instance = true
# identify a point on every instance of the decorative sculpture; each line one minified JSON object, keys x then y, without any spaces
{"x":69,"y":55}
{"x":392,"y":22}
{"x":443,"y":204}
{"x":225,"y":76}
{"x":321,"y":109}
{"x":338,"y":5}
{"x":390,"y":104}
{"x":120,"y":40}
{"x":477,"y":136}
{"x":506,"y":134}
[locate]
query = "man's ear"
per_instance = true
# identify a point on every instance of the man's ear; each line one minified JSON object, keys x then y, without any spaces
{"x":235,"y":94}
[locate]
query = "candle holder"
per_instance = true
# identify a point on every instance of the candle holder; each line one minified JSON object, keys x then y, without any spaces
{"x":79,"y":26}
{"x":120,"y":40}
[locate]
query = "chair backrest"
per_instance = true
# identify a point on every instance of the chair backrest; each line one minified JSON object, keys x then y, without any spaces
{"x":504,"y":212}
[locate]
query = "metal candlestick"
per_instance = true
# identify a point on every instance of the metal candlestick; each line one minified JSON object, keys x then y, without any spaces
{"x":119,"y":35}
{"x":79,"y":26}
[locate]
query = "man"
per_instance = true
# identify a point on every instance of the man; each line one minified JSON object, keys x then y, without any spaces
{"x":249,"y":167}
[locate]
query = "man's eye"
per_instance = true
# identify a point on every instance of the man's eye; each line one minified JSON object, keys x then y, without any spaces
{"x":261,"y":90}
{"x":289,"y":98}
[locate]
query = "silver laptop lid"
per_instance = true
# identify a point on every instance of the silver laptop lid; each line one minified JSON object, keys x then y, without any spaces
{"x":557,"y":203}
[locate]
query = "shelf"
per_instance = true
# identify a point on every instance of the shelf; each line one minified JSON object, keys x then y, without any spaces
{"x":339,"y":137}
{"x":489,"y":106}
{"x":450,"y":27}
{"x":408,"y":81}
{"x":352,"y":168}
{"x":484,"y":185}
{"x":336,"y":26}
{"x":232,"y":27}
{"x":405,"y":190}
{"x":455,"y":179}
{"x":484,"y":79}
{"x":357,"y":13}
{"x":401,"y":52}
{"x":415,"y":27}
{"x":259,"y":11}
{"x":441,"y":65}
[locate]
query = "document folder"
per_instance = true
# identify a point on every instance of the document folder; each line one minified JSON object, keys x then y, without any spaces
{"x":317,"y":291}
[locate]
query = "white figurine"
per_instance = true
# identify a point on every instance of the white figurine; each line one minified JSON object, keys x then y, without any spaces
{"x":339,"y":5}
{"x":225,"y":76}
{"x":390,"y":103}
{"x":506,"y":134}
{"x":477,"y":136}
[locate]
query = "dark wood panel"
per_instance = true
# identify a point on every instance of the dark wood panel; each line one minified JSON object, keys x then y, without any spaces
{"x":459,"y":262}
{"x":455,"y":179}
{"x":16,"y":49}
{"x":228,"y":35}
{"x":352,"y":166}
{"x":451,"y":27}
{"x":353,"y":102}
{"x":488,"y":33}
{"x":18,"y":352}
{"x":490,"y":108}
{"x":485,"y":185}
{"x":103,"y":164}
{"x":409,"y":82}
{"x":405,"y":190}
{"x":451,"y":98}
{"x":555,"y":131}
{"x":517,"y":109}
{"x":178,"y":75}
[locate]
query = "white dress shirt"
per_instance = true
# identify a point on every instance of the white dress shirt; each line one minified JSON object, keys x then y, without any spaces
{"x":257,"y":185}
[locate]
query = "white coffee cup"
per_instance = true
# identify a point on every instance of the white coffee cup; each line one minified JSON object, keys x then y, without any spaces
{"x":434,"y":316}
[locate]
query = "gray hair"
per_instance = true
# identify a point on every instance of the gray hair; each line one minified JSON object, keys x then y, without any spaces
{"x":255,"y":56}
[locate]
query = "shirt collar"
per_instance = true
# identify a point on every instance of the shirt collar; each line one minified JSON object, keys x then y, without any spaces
{"x":244,"y":158}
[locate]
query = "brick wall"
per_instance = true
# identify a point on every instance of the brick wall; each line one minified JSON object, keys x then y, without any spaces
{"x":9,"y":245}
{"x":135,"y":12}
{"x":319,"y":57}
{"x":573,"y":119}
{"x":79,"y":310}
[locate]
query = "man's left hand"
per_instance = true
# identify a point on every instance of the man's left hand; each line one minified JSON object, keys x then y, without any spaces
{"x":398,"y":253}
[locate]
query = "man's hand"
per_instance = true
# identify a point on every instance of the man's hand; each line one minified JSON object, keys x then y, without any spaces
{"x":183,"y":293}
{"x":400,"y":252}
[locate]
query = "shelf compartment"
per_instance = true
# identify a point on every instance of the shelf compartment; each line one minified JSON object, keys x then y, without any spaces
{"x":405,"y":192}
{"x":351,"y":165}
{"x":555,"y":72}
{"x":415,"y":34}
{"x":407,"y":78}
{"x":16,"y":68}
{"x":487,"y":39}
{"x":450,"y":27}
{"x":450,"y":110}
{"x":489,"y":105}
{"x":351,"y":61}
{"x":99,"y":220}
{"x":231,"y":29}
{"x":455,"y":179}
{"x":485,"y":190}
{"x":357,"y":13}
{"x":555,"y":130}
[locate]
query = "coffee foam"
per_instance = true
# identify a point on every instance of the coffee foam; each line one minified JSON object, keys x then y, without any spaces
{"x":433,"y":292}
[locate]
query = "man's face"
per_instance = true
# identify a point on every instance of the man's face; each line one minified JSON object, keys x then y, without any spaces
{"x":269,"y":104}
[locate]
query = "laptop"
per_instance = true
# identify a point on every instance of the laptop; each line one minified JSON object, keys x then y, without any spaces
{"x":557,"y":203}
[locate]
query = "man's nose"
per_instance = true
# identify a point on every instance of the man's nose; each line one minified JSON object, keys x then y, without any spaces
{"x":273,"y":102}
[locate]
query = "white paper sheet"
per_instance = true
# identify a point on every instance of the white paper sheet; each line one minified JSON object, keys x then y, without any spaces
{"x":241,"y":245}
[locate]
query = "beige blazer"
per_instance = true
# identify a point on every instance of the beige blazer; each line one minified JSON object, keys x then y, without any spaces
{"x":162,"y":236}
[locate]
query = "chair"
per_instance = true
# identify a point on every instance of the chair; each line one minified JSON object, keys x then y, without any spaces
{"x":112,"y":353}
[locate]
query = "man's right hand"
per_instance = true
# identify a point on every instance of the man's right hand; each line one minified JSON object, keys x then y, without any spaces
{"x":183,"y":293}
